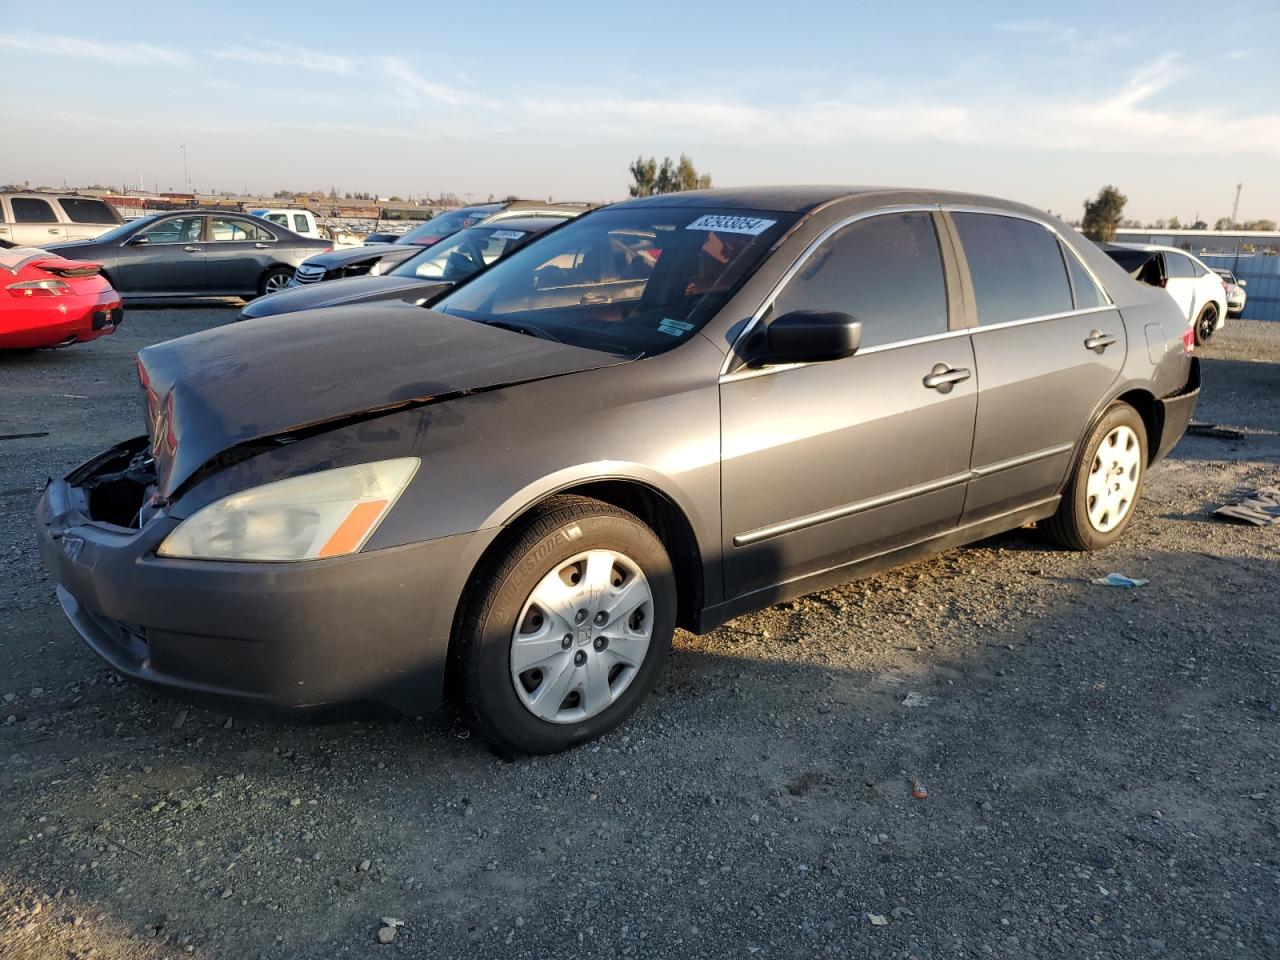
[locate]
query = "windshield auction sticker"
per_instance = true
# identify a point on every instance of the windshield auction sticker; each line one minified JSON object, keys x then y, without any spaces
{"x":507,"y":234}
{"x":728,"y":223}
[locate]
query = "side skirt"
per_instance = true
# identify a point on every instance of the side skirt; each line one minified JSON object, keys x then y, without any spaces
{"x":712,"y":617}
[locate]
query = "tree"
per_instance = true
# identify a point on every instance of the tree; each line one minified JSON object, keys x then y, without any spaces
{"x":644,"y":176}
{"x":1268,"y":225}
{"x":1199,"y":225}
{"x":1223,"y":223}
{"x":1102,"y":215}
{"x":1175,"y":223}
{"x":649,"y":177}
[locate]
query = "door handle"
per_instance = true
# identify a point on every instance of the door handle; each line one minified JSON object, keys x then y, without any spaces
{"x":53,"y":230}
{"x":192,"y":249}
{"x":1097,"y":341}
{"x":942,"y":377}
{"x":260,"y":246}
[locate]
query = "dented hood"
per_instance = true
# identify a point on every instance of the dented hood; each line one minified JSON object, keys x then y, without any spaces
{"x":212,"y":391}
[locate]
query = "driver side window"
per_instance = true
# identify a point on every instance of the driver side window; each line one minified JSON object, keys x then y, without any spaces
{"x":886,"y":271}
{"x":176,"y":230}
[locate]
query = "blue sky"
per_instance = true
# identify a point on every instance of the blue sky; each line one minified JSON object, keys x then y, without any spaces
{"x":1173,"y":102}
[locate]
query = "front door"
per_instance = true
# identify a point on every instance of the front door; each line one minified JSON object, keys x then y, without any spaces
{"x":1181,"y":283}
{"x":1048,"y":345}
{"x":165,"y":258}
{"x":824,"y":464}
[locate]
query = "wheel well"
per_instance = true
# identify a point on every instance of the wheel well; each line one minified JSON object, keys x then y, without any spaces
{"x":662,"y":516}
{"x":1152,"y":417}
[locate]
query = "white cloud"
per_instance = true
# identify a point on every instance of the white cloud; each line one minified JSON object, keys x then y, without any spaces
{"x":417,"y":87}
{"x":284,"y":55}
{"x":122,"y":54}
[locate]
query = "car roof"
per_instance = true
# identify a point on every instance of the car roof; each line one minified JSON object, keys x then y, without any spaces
{"x":806,"y":199}
{"x":528,"y":224}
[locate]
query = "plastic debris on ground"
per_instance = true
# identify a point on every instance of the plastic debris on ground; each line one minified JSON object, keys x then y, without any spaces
{"x":878,"y":919}
{"x":1259,"y":507}
{"x":914,"y":699}
{"x":918,"y":790}
{"x":1119,"y":580}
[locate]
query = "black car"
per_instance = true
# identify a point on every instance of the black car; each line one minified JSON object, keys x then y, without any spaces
{"x":671,"y":411}
{"x":427,"y":275}
{"x":381,"y":258}
{"x":195,"y":253}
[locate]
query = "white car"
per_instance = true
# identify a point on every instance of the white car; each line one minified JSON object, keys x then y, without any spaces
{"x":38,"y":219}
{"x":1235,"y":292}
{"x":1196,"y":289}
{"x":301,"y":222}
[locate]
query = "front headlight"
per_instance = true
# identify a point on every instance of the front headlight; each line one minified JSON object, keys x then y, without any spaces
{"x":327,"y":514}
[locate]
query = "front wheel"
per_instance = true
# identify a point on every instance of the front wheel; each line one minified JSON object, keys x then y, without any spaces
{"x":566,"y":630}
{"x":274,"y":280}
{"x":1206,"y":323}
{"x":1103,"y":490}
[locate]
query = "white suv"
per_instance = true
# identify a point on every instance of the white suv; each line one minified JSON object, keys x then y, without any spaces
{"x":1195,"y":288}
{"x":39,"y":219}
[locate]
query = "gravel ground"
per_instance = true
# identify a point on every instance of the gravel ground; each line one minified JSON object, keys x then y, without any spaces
{"x":1101,"y":764}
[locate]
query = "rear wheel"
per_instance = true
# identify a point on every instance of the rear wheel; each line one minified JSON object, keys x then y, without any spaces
{"x":566,"y":630}
{"x":1099,"y":501}
{"x":1206,"y":323}
{"x":274,"y":280}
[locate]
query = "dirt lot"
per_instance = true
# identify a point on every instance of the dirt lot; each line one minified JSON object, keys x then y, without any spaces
{"x":1101,"y":764}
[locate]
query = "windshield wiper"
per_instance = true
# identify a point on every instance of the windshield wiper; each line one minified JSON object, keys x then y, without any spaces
{"x":528,"y":329}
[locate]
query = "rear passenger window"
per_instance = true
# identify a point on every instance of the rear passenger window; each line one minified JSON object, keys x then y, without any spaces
{"x":300,"y":224}
{"x":1176,"y":265}
{"x":1087,"y":293}
{"x":85,"y":210}
{"x":31,"y":210}
{"x":886,"y":271}
{"x":1016,"y":267}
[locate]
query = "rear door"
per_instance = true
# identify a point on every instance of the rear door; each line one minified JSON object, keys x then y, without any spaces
{"x":35,"y":224}
{"x":239,"y":251}
{"x":1048,"y":344}
{"x":87,"y":217}
{"x":167,"y":258}
{"x":824,"y":464}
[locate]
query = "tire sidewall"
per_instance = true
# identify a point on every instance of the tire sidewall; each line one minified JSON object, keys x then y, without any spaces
{"x":492,"y":685}
{"x":1120,"y":414}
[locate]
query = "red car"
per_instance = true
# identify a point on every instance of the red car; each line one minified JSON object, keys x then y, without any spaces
{"x":47,"y":301}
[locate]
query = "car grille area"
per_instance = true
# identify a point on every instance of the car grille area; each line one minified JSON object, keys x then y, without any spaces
{"x":308,"y":274}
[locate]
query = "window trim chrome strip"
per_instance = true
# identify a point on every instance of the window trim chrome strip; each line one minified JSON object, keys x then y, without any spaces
{"x":748,"y":373}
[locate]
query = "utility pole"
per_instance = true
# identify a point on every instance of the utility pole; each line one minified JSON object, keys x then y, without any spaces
{"x":1235,"y":207}
{"x":185,"y":174}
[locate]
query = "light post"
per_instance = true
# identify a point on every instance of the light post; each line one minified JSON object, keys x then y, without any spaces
{"x":185,"y":174}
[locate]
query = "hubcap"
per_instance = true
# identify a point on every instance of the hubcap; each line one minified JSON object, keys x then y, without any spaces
{"x":276,"y":283}
{"x":1208,"y":320}
{"x":581,"y":636}
{"x":1113,"y":479}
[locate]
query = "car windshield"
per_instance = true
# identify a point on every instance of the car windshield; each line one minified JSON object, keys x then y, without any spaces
{"x":116,"y":233}
{"x":630,"y":281}
{"x":461,"y":255}
{"x":447,"y":224}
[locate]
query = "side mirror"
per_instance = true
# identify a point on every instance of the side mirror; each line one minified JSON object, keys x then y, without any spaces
{"x":141,"y":240}
{"x":811,"y":336}
{"x":1242,"y":283}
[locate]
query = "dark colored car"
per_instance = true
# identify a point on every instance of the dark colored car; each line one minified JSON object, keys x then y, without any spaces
{"x":666,"y":412}
{"x":193,"y":253}
{"x":427,"y":275}
{"x":382,"y":258}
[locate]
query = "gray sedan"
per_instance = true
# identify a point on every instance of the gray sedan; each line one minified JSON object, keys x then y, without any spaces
{"x":194,"y":253}
{"x":665,"y":413}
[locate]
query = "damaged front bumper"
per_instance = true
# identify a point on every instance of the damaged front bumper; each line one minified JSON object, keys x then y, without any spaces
{"x":370,"y":628}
